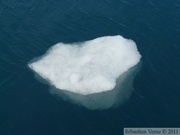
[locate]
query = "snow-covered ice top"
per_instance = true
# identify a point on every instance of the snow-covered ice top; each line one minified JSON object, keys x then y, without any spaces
{"x":88,"y":67}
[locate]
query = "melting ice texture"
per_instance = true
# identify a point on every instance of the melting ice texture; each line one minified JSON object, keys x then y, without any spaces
{"x":97,"y":74}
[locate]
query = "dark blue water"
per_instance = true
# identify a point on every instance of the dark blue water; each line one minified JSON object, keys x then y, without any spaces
{"x":29,"y":28}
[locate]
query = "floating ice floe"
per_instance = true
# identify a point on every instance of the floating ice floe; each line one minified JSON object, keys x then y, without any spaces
{"x":97,"y":74}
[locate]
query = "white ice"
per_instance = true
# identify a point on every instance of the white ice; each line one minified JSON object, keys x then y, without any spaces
{"x":102,"y":65}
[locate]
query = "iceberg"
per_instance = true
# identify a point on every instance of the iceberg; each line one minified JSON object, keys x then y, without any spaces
{"x":97,"y":74}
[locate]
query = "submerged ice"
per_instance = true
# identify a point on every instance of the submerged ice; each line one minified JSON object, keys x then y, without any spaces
{"x":97,"y":74}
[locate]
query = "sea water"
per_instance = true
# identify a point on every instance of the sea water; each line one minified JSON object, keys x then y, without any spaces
{"x":29,"y":28}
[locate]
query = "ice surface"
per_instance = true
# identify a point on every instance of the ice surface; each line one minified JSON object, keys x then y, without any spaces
{"x":95,"y":70}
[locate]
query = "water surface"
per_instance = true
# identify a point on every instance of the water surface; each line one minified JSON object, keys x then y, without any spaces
{"x":29,"y":28}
